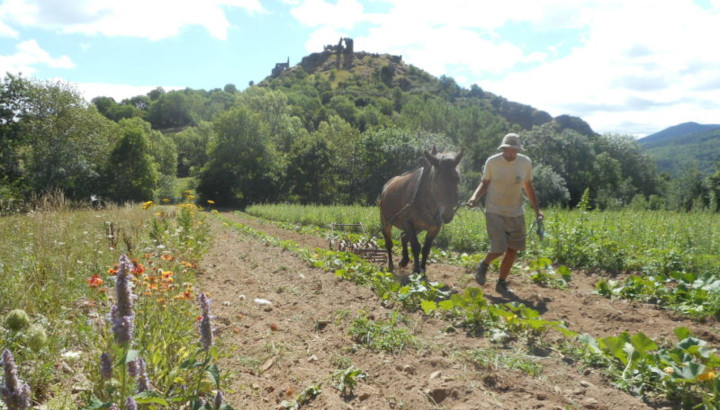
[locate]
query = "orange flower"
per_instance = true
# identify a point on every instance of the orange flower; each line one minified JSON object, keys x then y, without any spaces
{"x":708,"y":374}
{"x":138,"y":268}
{"x":167,"y":274}
{"x":95,"y":281}
{"x":113,"y":270}
{"x":186,"y":295}
{"x":167,"y":258}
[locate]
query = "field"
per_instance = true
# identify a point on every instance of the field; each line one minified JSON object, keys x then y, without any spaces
{"x":614,"y":310}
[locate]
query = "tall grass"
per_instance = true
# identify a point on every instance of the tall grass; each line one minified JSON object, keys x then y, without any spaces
{"x":46,"y":259}
{"x":58,"y":267}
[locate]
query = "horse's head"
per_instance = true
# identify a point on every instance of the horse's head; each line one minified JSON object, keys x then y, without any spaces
{"x":444,"y":183}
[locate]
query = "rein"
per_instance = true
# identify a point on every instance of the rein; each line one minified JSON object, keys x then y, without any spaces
{"x":414,"y":197}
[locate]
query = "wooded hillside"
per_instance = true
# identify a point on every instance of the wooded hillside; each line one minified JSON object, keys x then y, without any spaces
{"x":331,"y":129}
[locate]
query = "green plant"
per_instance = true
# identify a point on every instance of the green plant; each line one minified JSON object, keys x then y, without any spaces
{"x":17,"y":319}
{"x":685,"y":373}
{"x":346,"y":379}
{"x":543,"y":273}
{"x":305,"y":397}
{"x":491,"y":358}
{"x":386,"y":336}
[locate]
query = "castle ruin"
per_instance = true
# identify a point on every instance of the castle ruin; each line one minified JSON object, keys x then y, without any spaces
{"x":344,"y":54}
{"x":280,"y":67}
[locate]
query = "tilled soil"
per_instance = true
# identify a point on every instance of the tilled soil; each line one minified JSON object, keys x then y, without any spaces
{"x":283,"y":327}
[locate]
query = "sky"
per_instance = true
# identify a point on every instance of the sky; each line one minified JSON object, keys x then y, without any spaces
{"x":632,"y":67}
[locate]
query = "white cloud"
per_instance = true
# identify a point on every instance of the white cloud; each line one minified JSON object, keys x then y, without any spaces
{"x":28,"y":55}
{"x":643,"y":67}
{"x":7,"y":31}
{"x":152,"y":19}
{"x":634,"y":67}
{"x":344,"y":14}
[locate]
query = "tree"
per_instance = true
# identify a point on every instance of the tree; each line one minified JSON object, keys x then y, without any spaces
{"x":173,"y":110}
{"x":549,"y":186}
{"x":13,"y":102}
{"x":243,"y":167}
{"x":131,"y":171}
{"x":713,"y":183}
{"x":688,"y":190}
{"x":66,"y":143}
{"x":310,"y":172}
{"x":192,"y":145}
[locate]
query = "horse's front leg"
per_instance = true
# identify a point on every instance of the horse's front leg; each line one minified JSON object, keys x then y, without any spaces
{"x":415,"y":246}
{"x":387,"y":234}
{"x":431,"y":234}
{"x":405,"y":256}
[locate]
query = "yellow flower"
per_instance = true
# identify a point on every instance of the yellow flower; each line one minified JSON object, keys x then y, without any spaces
{"x":148,"y":204}
{"x":166,"y":200}
{"x":211,"y":202}
{"x":669,"y":370}
{"x":707,"y":375}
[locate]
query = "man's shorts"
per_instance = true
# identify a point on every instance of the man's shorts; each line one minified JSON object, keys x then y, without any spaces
{"x":505,"y":232}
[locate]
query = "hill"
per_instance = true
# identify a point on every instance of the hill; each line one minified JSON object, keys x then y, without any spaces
{"x":676,"y":148}
{"x":676,"y":131}
{"x":354,"y":73}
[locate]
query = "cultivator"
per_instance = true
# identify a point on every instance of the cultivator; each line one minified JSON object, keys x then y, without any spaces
{"x":365,"y":247}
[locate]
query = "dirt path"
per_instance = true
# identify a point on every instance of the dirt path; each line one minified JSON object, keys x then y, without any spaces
{"x":276,"y":351}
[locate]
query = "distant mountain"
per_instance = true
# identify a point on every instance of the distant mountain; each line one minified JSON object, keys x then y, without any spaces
{"x":676,"y":131}
{"x":676,"y":148}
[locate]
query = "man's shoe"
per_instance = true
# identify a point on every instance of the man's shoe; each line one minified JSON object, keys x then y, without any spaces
{"x":502,"y":288}
{"x":481,"y":273}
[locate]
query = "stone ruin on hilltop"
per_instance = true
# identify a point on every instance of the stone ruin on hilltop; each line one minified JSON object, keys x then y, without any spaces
{"x":344,"y":57}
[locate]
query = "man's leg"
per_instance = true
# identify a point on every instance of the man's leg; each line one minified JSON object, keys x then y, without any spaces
{"x":505,"y":266}
{"x":482,"y":268}
{"x":507,"y":263}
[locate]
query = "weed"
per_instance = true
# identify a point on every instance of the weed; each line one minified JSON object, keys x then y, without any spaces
{"x":346,"y":379}
{"x":386,"y":336}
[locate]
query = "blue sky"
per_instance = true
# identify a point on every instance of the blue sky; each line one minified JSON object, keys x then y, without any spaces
{"x":630,"y":67}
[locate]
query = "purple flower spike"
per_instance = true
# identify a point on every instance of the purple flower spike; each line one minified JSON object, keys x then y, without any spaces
{"x":143,"y":382}
{"x":123,"y":329}
{"x":133,"y":368}
{"x":14,"y":395}
{"x":206,"y":334}
{"x":130,"y":404}
{"x":219,"y":399}
{"x":123,"y":287}
{"x":105,"y":366}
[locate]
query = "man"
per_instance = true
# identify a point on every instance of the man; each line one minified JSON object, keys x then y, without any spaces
{"x":505,"y":177}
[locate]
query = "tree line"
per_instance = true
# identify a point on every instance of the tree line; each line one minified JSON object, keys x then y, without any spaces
{"x":330,"y":137}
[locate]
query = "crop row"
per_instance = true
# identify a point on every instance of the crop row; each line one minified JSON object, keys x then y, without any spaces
{"x":684,"y":373}
{"x":673,"y":258}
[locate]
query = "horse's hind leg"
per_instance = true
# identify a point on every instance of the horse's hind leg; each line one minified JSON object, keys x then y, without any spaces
{"x":387,"y":234}
{"x":405,"y":256}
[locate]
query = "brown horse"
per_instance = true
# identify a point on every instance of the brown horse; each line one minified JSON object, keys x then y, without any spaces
{"x":420,"y":200}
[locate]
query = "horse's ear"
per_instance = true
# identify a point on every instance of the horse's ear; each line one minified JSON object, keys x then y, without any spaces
{"x":432,"y":158}
{"x":459,"y":156}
